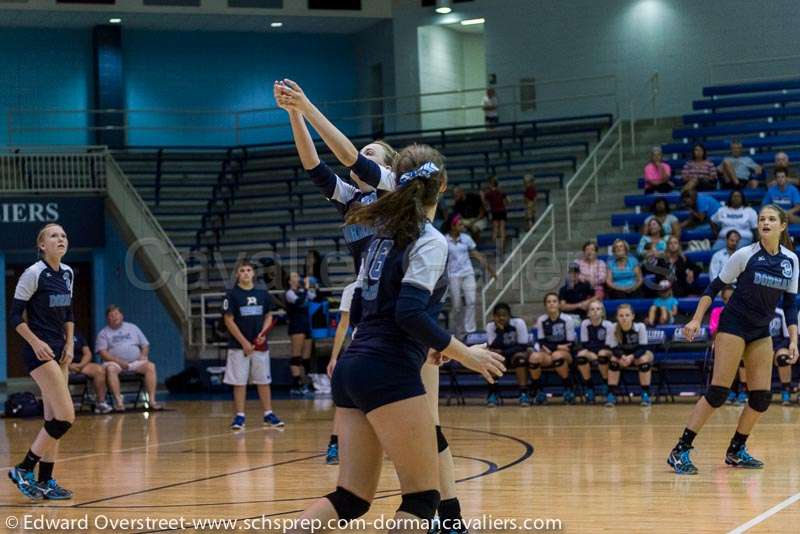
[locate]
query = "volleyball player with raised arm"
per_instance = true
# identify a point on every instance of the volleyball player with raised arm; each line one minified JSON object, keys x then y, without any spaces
{"x":765,"y":274}
{"x":44,"y":295}
{"x":377,"y":384}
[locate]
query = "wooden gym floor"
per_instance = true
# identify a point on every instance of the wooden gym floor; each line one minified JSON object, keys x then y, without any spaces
{"x":595,"y":469}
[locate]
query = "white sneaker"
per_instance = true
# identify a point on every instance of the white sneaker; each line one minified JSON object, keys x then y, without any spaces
{"x":102,"y":407}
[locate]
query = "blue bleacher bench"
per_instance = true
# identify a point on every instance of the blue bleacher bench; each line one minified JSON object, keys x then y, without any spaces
{"x":744,"y":101}
{"x":751,"y":196}
{"x":752,"y":87}
{"x":708,"y":118}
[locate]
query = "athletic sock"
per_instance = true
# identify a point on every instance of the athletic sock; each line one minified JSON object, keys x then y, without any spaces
{"x":737,"y":442}
{"x":239,"y":414}
{"x":614,"y":389}
{"x":29,"y":462}
{"x":685,"y":443}
{"x":587,"y":383}
{"x":786,"y":386}
{"x":646,"y":389}
{"x":296,"y":382}
{"x":536,"y":385}
{"x":334,"y":440}
{"x":307,"y":366}
{"x":450,"y":511}
{"x":45,"y":471}
{"x":267,"y":412}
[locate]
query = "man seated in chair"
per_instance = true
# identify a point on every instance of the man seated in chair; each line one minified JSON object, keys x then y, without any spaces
{"x":82,"y":364}
{"x":123,"y":347}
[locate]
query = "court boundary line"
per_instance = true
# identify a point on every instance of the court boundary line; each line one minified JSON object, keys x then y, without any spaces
{"x":760,"y":518}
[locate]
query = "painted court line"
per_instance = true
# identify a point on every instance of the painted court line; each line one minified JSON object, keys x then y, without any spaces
{"x":766,"y":515}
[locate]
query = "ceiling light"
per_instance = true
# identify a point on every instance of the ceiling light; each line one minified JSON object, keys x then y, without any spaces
{"x":470,"y":22}
{"x":115,"y":21}
{"x":276,"y":24}
{"x":443,"y":7}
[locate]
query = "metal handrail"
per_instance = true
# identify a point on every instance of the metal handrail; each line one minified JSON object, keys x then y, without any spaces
{"x":595,"y":167}
{"x":549,"y":213}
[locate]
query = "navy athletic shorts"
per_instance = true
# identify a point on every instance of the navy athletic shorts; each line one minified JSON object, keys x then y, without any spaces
{"x":743,"y":328}
{"x":32,"y":362}
{"x":366,"y":382}
{"x":300,"y":326}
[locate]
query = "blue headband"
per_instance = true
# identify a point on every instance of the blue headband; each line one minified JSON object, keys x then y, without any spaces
{"x":424,"y":171}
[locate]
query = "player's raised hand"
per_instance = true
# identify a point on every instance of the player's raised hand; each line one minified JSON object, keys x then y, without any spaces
{"x":293,"y":97}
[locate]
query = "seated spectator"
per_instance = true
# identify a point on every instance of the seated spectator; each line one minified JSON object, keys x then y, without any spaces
{"x":737,"y":170}
{"x":720,"y":257}
{"x":735,"y":216}
{"x":123,"y":347}
{"x":682,"y":272}
{"x":701,"y":208}
{"x":82,"y":364}
{"x":497,"y":200}
{"x":660,"y":212}
{"x":473,"y":214}
{"x":654,"y":235}
{"x":657,"y":174}
{"x":781,"y":161}
{"x":530,"y":199}
{"x":664,"y":308}
{"x":593,"y":271}
{"x":508,"y":336}
{"x":699,"y":172}
{"x":575,"y":295}
{"x":624,"y":275}
{"x":784,"y":195}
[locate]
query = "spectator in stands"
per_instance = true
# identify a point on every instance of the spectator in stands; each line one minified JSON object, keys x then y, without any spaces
{"x":123,"y":347}
{"x":624,"y":275}
{"x":699,"y":172}
{"x":508,"y":336}
{"x":575,"y":295}
{"x":313,"y":268}
{"x":555,"y":335}
{"x":664,"y":308}
{"x":738,"y":393}
{"x":734,"y":216}
{"x":720,"y":257}
{"x":784,"y":195}
{"x":593,"y":271}
{"x":83,"y":364}
{"x":594,"y":336}
{"x":682,"y":272}
{"x":737,"y":170}
{"x":461,"y":276}
{"x":701,"y":208}
{"x":530,"y":199}
{"x":781,"y":161}
{"x":629,"y":347}
{"x":473,"y":214}
{"x":657,"y":174}
{"x":660,"y":212}
{"x":654,"y":235}
{"x":497,"y":201}
{"x":489,"y":105}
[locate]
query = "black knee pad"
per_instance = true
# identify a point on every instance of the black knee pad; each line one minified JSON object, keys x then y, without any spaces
{"x":645,"y":367}
{"x":347,"y":504}
{"x":422,"y":504}
{"x":533,"y":366}
{"x":741,"y":364}
{"x":759,"y":400}
{"x":56,"y":429}
{"x":603,"y":360}
{"x":613,"y":366}
{"x":558,"y":363}
{"x":519,"y":361}
{"x":783,"y":360}
{"x":581,"y":360}
{"x":441,"y":441}
{"x":296,"y":361}
{"x":716,"y":395}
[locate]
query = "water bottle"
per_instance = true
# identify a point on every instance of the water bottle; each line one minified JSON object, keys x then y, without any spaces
{"x":626,"y":228}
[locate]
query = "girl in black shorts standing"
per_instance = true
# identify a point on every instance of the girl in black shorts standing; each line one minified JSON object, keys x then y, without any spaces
{"x":377,"y":384}
{"x":44,"y":294}
{"x":297,"y":298}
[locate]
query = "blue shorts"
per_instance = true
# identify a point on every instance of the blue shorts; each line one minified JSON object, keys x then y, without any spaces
{"x":366,"y":383}
{"x":780,"y":343}
{"x":32,"y":362}
{"x":300,"y":326}
{"x":743,"y":328}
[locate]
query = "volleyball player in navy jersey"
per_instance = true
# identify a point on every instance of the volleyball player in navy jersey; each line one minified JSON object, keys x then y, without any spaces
{"x":628,"y":343}
{"x":509,"y":336}
{"x":297,"y":298}
{"x":555,"y":334}
{"x":377,"y":384}
{"x":765,"y":273}
{"x":44,"y":295}
{"x":371,"y":170}
{"x":779,"y":331}
{"x":595,"y":331}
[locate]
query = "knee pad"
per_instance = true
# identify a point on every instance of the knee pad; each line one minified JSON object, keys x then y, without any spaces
{"x":783,"y":360}
{"x":56,"y":429}
{"x":533,"y":366}
{"x":347,"y":504}
{"x":441,"y":441}
{"x":519,"y":361}
{"x":296,"y":361}
{"x":558,"y":363}
{"x":716,"y":395}
{"x":613,"y":366}
{"x":581,"y":360}
{"x":759,"y":400}
{"x":603,"y":360}
{"x":741,"y":364}
{"x":645,"y":367}
{"x":422,"y":504}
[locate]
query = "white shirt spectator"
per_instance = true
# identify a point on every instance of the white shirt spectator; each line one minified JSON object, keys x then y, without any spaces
{"x":458,"y":260}
{"x":743,"y":220}
{"x":125,"y":342}
{"x":718,"y":261}
{"x":489,"y":105}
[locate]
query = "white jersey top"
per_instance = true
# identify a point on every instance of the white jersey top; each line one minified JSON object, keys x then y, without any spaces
{"x":458,"y":260}
{"x":743,"y":220}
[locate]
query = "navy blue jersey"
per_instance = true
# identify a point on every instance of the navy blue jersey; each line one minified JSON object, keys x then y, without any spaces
{"x":595,"y":337}
{"x":553,"y":332}
{"x":248,"y":308}
{"x":46,"y":297}
{"x":297,"y":304}
{"x":778,"y":329}
{"x":514,"y":335}
{"x":385,"y":269}
{"x":344,"y":196}
{"x":633,"y":341}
